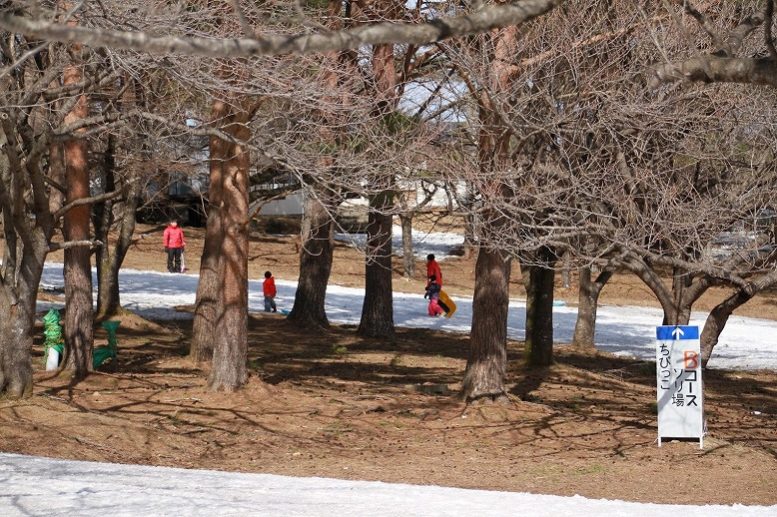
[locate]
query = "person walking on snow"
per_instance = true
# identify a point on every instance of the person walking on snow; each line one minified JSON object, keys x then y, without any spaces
{"x":174,"y":244}
{"x":433,"y":270}
{"x":268,"y":287}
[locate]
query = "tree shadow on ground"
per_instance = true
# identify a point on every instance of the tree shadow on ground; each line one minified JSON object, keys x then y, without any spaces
{"x":597,"y":404}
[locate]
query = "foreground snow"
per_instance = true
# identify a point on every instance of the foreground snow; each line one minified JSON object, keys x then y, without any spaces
{"x":42,"y":486}
{"x":746,"y":343}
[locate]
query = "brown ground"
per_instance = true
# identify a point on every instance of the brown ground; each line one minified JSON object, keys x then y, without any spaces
{"x":337,"y":405}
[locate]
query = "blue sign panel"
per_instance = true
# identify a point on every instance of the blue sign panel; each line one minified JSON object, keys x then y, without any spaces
{"x":671,"y":332}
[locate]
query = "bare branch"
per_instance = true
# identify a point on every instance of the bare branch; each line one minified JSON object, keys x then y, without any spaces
{"x":54,"y":246}
{"x":87,"y":201}
{"x":374,"y":34}
{"x":711,"y":69}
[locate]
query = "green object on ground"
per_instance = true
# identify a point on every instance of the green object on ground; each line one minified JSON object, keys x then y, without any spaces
{"x":103,"y":353}
{"x":52,"y":334}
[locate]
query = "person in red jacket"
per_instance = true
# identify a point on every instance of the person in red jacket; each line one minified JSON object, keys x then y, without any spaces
{"x":174,"y":244}
{"x":268,"y":287}
{"x":433,"y":270}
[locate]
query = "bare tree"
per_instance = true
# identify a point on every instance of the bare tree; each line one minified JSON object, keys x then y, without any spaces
{"x":33,"y":109}
{"x":230,"y":352}
{"x":79,"y":313}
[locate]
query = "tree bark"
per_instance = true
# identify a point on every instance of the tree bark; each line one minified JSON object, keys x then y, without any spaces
{"x":682,"y":304}
{"x":315,"y":264}
{"x":18,"y":293}
{"x":79,"y":313}
{"x":539,"y":311}
{"x":408,"y":259}
{"x":587,"y":306}
{"x":378,"y":310}
{"x":487,"y":361}
{"x":565,"y":269}
{"x":205,"y":305}
{"x":15,"y":345}
{"x":468,"y":204}
{"x":109,"y":263}
{"x":109,"y":258}
{"x":102,"y":220}
{"x":230,"y":352}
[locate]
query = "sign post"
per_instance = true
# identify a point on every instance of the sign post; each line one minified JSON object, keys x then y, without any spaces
{"x":679,"y":391}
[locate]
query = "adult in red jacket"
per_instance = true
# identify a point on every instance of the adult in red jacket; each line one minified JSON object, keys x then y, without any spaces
{"x":174,"y":244}
{"x":433,"y":270}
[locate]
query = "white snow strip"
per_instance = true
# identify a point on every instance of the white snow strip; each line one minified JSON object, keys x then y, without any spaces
{"x":32,"y":486}
{"x":745,"y":344}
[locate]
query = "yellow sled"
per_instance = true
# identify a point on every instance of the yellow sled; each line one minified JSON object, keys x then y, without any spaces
{"x":448,"y":301}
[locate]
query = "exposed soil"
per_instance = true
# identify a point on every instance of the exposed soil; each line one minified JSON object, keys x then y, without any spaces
{"x":333,"y":404}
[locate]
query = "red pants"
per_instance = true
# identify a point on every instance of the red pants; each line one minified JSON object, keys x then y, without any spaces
{"x":434,"y":307}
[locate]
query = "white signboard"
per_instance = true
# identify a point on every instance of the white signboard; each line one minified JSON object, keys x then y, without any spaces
{"x":680,"y":397}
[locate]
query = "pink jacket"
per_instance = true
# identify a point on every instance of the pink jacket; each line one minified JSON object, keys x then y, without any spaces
{"x":173,"y":237}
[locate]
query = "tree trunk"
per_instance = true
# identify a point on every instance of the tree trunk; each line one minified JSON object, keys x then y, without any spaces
{"x":79,"y":314}
{"x":315,"y":265}
{"x":539,"y":311}
{"x":205,"y":305}
{"x":682,"y":303}
{"x":15,"y":346}
{"x":487,"y":361}
{"x":566,"y":269}
{"x":110,"y":258}
{"x":377,"y":318}
{"x":18,"y":294}
{"x":102,"y":220}
{"x":588,"y":304}
{"x":408,"y":259}
{"x":378,"y":310}
{"x":716,"y":321}
{"x":56,"y":174}
{"x":468,"y":205}
{"x":230,"y":352}
{"x":109,"y":298}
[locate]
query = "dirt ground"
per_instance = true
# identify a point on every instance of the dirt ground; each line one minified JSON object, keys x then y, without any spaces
{"x":333,"y":404}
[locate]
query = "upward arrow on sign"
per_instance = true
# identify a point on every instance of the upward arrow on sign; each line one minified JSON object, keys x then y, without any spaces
{"x":677,"y":332}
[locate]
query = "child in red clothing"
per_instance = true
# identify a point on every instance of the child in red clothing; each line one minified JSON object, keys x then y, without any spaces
{"x":268,"y":287}
{"x":174,"y":245}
